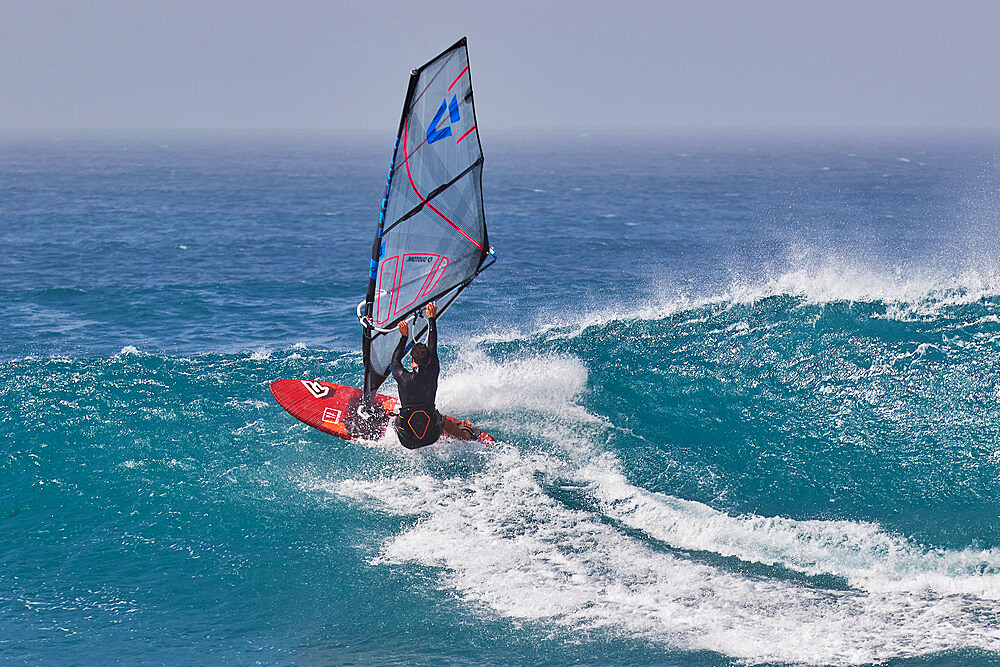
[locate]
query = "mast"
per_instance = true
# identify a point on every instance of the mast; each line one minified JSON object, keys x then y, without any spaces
{"x":369,"y":387}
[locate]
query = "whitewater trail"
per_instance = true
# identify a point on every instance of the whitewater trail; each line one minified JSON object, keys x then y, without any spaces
{"x":554,"y":533}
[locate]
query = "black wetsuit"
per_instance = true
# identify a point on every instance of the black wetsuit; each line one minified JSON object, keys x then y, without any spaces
{"x":419,"y":424}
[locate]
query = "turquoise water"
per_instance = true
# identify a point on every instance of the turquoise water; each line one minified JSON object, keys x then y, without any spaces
{"x":744,"y":390}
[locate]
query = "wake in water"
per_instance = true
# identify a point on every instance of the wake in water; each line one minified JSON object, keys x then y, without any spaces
{"x":820,"y":402}
{"x":511,"y":545}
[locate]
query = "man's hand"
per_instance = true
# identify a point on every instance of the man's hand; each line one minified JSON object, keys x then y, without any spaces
{"x":432,"y":310}
{"x":403,"y":329}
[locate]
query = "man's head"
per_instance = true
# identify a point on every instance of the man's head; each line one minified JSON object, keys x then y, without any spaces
{"x":419,"y":355}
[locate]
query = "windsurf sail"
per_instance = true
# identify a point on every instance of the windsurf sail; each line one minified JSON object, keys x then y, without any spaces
{"x":431,"y":239}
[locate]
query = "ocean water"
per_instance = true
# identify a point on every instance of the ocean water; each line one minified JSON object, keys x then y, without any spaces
{"x":744,"y":390}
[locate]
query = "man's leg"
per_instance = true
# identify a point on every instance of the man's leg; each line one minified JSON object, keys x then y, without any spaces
{"x":455,"y":429}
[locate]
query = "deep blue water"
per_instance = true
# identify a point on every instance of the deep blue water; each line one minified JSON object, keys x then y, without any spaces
{"x":744,"y":389}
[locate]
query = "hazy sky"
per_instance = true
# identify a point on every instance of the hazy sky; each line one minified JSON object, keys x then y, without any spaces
{"x":535,"y":64}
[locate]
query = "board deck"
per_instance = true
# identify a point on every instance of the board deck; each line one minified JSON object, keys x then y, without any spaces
{"x":334,"y":409}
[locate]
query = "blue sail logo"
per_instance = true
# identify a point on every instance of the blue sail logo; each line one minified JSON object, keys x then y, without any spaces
{"x":435,"y":134}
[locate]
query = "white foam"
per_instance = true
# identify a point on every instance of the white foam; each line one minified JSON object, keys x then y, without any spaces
{"x":813,"y":279}
{"x":546,"y":383}
{"x":251,"y":402}
{"x":129,"y":350}
{"x":509,"y":548}
{"x":866,"y":556}
{"x":533,"y":396}
{"x":828,"y":279}
{"x":572,"y":325}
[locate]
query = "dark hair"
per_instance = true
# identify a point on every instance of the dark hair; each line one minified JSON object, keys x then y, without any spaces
{"x":420,"y":354}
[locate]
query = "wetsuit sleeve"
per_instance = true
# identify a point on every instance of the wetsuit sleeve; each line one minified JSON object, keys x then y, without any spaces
{"x":397,"y":358}
{"x":432,"y":338}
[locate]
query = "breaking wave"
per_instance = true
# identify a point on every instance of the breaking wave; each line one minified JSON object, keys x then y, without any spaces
{"x":565,"y":524}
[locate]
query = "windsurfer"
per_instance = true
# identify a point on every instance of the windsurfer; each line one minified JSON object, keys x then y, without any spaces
{"x":419,"y":423}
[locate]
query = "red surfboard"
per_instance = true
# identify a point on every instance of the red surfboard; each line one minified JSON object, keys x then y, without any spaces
{"x":335,"y":409}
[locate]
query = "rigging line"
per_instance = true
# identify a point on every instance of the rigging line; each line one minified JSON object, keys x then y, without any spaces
{"x":443,"y":65}
{"x":457,"y":78}
{"x":467,"y":133}
{"x":434,"y":193}
{"x":406,"y":161}
{"x":405,"y":156}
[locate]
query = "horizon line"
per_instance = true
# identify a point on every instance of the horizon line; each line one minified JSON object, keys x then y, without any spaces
{"x":540,"y":130}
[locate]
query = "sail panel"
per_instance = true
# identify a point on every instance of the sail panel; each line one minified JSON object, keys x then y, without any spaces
{"x":432,"y":237}
{"x":439,"y":138}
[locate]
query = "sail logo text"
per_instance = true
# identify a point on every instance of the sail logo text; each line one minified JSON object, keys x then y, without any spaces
{"x":435,"y":134}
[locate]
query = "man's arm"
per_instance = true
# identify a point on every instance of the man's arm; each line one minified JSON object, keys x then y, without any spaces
{"x":397,"y":355}
{"x":432,"y":331}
